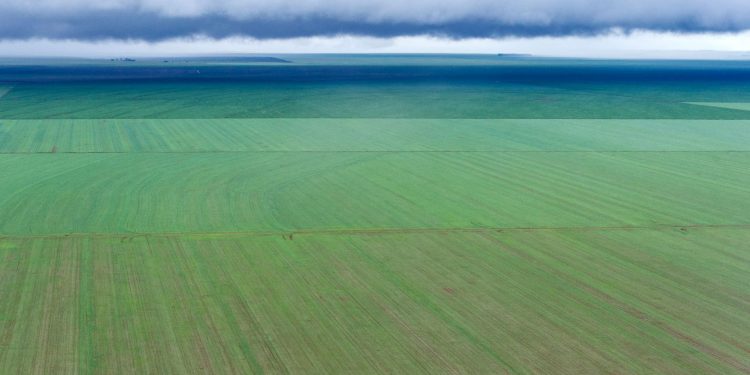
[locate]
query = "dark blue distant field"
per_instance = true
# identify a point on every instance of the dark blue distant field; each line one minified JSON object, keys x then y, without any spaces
{"x":380,"y":86}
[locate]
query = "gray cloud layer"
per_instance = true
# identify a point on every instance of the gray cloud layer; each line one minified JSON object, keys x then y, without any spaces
{"x":162,"y":19}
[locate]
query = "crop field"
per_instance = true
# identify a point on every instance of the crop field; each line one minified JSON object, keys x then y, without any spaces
{"x":370,"y":135}
{"x":740,"y":106}
{"x":451,"y":224}
{"x":393,"y":100}
{"x":629,"y":301}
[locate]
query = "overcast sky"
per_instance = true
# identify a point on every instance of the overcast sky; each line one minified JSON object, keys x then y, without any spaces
{"x":622,"y":28}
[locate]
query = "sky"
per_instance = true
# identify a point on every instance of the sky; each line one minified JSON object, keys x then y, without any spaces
{"x":604,"y":28}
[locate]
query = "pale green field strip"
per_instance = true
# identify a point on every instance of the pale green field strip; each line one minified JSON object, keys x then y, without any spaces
{"x":610,"y":301}
{"x":737,"y":106}
{"x":53,"y":194}
{"x":67,"y":136}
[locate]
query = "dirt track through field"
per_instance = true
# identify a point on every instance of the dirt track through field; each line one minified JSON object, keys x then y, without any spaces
{"x":291,"y":234}
{"x":391,"y":152}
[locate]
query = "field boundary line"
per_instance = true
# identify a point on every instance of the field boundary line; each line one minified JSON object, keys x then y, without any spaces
{"x":289,"y":234}
{"x":671,"y":119}
{"x":379,"y":152}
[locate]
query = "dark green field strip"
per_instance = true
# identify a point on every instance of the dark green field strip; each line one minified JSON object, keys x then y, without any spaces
{"x":53,"y":194}
{"x":390,"y":99}
{"x":240,"y":135}
{"x":564,"y":302}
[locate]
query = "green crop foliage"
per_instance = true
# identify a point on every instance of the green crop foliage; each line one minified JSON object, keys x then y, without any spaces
{"x":373,"y":226}
{"x":739,"y":106}
{"x":199,"y":100}
{"x":562,"y":301}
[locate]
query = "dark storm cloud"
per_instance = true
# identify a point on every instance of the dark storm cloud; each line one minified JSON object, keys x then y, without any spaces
{"x":160,"y":19}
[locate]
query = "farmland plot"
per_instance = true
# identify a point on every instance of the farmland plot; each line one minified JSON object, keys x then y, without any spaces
{"x":530,"y":216}
{"x":397,"y":135}
{"x":563,"y":301}
{"x":236,"y":192}
{"x":738,"y":106}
